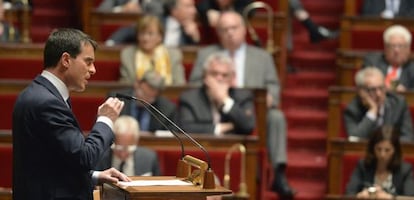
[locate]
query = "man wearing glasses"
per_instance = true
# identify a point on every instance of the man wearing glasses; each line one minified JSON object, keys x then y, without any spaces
{"x":395,"y":62}
{"x":125,"y":154}
{"x":374,"y":106}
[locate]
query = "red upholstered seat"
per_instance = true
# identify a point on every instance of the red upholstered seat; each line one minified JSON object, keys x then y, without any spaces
{"x":6,"y":107}
{"x":6,"y":166}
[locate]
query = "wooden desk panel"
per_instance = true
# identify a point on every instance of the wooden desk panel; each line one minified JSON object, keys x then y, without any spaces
{"x":112,"y":191}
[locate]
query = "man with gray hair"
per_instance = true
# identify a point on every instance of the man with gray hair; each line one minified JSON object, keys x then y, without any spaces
{"x":394,"y":61}
{"x":216,"y":107}
{"x":374,"y":107}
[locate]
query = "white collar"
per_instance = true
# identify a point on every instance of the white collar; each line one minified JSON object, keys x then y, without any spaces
{"x":60,"y":86}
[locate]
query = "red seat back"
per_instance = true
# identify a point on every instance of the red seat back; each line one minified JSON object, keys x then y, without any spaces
{"x":6,"y":166}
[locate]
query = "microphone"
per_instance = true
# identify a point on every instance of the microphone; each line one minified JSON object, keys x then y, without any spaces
{"x":157,"y":114}
{"x":147,"y":107}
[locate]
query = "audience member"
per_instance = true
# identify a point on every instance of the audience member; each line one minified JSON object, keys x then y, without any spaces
{"x":148,"y":89}
{"x":254,"y":68}
{"x":394,"y":61}
{"x":382,"y":174}
{"x":8,"y":33}
{"x":52,"y":158}
{"x":388,"y":8}
{"x":374,"y":107}
{"x":179,"y":22}
{"x":150,"y":54}
{"x":126,"y":155}
{"x":209,"y":10}
{"x":316,"y":32}
{"x":153,"y":7}
{"x":217,"y":107}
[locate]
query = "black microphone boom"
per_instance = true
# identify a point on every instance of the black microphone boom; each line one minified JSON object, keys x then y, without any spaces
{"x":156,"y":113}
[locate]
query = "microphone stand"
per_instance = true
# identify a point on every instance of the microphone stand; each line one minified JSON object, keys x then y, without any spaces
{"x":183,"y":168}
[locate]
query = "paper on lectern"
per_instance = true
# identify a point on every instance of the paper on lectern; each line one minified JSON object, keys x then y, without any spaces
{"x":168,"y":182}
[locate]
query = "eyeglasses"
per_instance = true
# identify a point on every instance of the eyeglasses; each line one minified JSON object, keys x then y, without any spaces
{"x":374,"y":89}
{"x":397,"y":46}
{"x":216,"y":73}
{"x":129,"y":148}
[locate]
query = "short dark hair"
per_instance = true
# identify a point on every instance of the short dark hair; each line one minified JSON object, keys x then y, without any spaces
{"x":64,"y":40}
{"x":382,"y":134}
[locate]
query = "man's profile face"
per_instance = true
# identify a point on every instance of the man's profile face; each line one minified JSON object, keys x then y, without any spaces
{"x":397,"y":50}
{"x":231,"y":31}
{"x":80,"y":69}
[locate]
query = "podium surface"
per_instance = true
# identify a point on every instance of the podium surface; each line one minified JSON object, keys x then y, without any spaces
{"x":158,"y":192}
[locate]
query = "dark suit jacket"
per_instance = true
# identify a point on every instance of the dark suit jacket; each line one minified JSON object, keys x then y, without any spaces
{"x":161,"y":103}
{"x":195,"y":114}
{"x":145,"y":160}
{"x":396,"y":114}
{"x":52,"y":159}
{"x":362,"y":177}
{"x":375,"y":8}
{"x":378,"y":60}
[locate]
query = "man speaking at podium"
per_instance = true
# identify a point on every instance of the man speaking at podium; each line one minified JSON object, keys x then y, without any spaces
{"x":52,"y":159}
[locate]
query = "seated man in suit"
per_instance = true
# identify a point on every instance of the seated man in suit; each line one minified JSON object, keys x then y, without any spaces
{"x":254,"y":68}
{"x":148,"y":88}
{"x":395,"y":62}
{"x":388,"y":8}
{"x":125,"y":154}
{"x":216,"y":107}
{"x":374,"y":107}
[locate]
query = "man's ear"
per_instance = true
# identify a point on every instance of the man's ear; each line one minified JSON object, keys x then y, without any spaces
{"x":65,"y":60}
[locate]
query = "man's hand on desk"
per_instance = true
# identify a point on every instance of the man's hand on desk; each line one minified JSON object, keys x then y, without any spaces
{"x":112,"y":175}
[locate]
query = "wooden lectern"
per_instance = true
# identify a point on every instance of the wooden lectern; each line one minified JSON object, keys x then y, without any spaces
{"x":189,"y":192}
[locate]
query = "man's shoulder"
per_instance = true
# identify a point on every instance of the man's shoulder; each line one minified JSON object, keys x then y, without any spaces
{"x":210,"y":49}
{"x":145,"y":151}
{"x":241,"y":93}
{"x":395,"y":98}
{"x":190,"y":94}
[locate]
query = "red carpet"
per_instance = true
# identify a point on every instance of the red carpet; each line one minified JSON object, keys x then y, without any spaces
{"x":305,"y":100}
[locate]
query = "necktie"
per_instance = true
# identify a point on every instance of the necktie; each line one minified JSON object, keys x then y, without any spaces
{"x":121,"y":166}
{"x":69,"y":103}
{"x":391,"y":76}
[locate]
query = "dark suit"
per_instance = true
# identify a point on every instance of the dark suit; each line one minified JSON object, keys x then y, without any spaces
{"x":161,"y":103}
{"x":361,"y":177}
{"x":375,"y":8}
{"x":396,"y":114}
{"x":145,"y":160}
{"x":407,"y":70}
{"x":52,"y":159}
{"x":196,"y":113}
